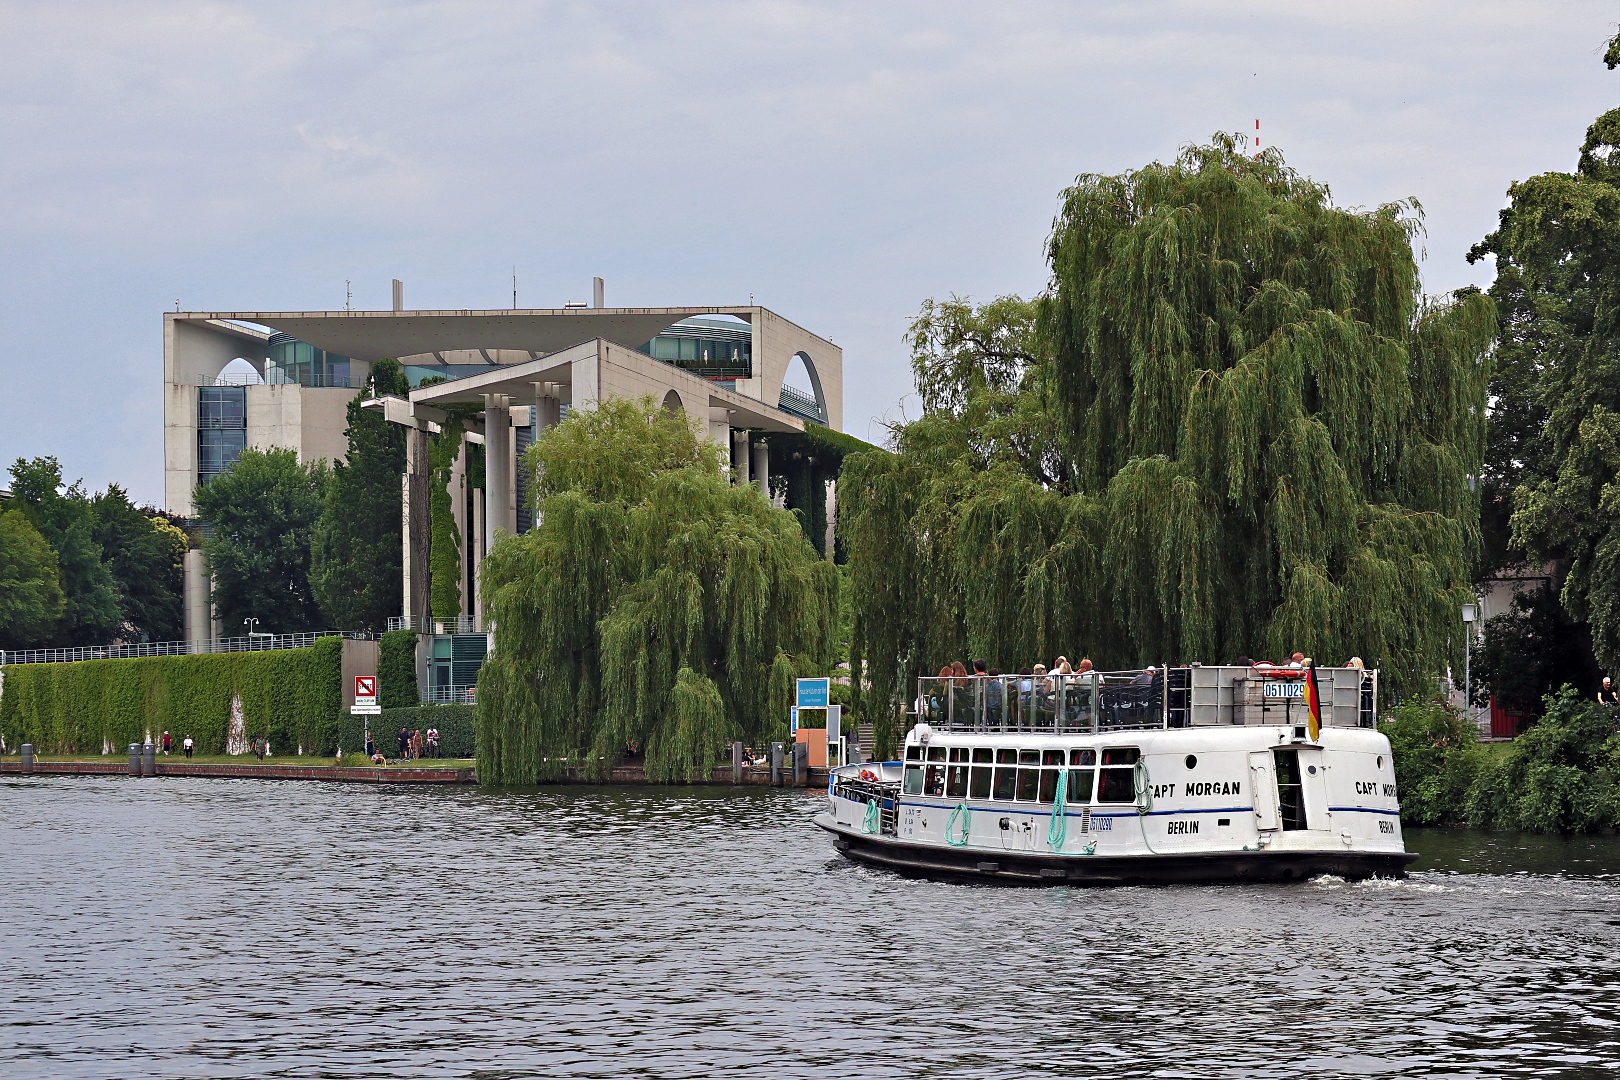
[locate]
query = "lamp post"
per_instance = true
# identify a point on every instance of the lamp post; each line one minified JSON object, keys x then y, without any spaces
{"x":250,"y":624}
{"x":1468,"y":612}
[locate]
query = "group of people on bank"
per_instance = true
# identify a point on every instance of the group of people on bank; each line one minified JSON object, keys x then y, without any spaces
{"x":413,"y":744}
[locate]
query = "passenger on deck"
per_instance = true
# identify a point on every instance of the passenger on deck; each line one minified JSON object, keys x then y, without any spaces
{"x":978,"y":668}
{"x":1244,"y":661}
{"x":1355,"y":662}
{"x":1144,"y":679}
{"x":957,"y":670}
{"x":1085,"y":665}
{"x":1063,"y":667}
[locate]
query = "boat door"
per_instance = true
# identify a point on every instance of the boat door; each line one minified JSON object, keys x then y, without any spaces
{"x":1301,"y":788}
{"x":1263,"y":782}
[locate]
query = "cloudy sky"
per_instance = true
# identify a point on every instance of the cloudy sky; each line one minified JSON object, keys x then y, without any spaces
{"x":840,"y":161}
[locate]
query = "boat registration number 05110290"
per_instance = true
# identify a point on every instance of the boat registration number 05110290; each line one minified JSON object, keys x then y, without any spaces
{"x":1285,"y":690}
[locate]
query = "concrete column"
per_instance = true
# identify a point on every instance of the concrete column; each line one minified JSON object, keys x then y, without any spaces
{"x":197,"y":621}
{"x":598,"y":293}
{"x":499,"y":496}
{"x":417,"y":527}
{"x":739,"y":457}
{"x":399,"y":295}
{"x":762,"y":467}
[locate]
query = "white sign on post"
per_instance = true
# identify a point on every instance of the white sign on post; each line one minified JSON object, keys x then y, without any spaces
{"x":365,"y":696}
{"x":834,"y":734}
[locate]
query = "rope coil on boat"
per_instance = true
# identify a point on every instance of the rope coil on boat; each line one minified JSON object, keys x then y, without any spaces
{"x":960,"y":817}
{"x":1057,"y":830}
{"x":1144,"y":799}
{"x":869,"y":823}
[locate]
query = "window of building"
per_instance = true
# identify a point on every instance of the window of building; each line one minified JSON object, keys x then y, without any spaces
{"x":221,"y":429}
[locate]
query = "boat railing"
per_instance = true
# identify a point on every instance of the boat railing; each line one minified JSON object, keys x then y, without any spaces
{"x":1187,"y":696}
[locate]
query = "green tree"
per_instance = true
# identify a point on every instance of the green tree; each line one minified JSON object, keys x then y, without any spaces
{"x":1233,"y":425}
{"x":63,"y":515}
{"x":31,"y":599}
{"x":262,"y":511}
{"x":1557,"y":252}
{"x":657,"y":606}
{"x":145,"y":552}
{"x":1530,"y":651}
{"x":1437,"y":759}
{"x":355,"y":567}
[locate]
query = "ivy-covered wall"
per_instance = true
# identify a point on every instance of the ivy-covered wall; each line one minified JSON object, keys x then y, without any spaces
{"x":396,"y":670}
{"x":293,"y":697}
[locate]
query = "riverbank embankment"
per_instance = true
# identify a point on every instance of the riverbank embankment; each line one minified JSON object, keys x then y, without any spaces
{"x":388,"y":774}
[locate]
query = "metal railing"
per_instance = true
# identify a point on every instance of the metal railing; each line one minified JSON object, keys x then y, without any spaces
{"x":1093,"y":701}
{"x":448,"y":695}
{"x":426,"y":624}
{"x":801,"y":405}
{"x":315,"y":382}
{"x":255,"y":643}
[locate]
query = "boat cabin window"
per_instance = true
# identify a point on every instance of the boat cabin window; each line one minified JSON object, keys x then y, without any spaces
{"x":959,"y":753}
{"x":914,"y":753}
{"x":979,"y":783}
{"x":936,"y":753}
{"x":983,"y":754}
{"x":1117,"y":778}
{"x":1082,"y":774}
{"x":1029,"y":757}
{"x":913,"y":780}
{"x":1029,"y":784}
{"x":956,"y":782}
{"x":1006,"y":757}
{"x":935,"y":782}
{"x":1006,"y":777}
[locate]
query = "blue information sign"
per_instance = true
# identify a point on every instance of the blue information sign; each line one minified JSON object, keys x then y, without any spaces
{"x":814,"y":693}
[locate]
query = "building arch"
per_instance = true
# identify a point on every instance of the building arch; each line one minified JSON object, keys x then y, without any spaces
{"x":672,"y":402}
{"x":794,"y":401}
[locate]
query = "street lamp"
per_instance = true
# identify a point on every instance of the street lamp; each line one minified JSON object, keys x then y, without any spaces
{"x":1468,"y":613}
{"x":250,"y":624}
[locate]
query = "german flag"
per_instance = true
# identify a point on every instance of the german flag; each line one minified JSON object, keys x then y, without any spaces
{"x":1313,"y":703}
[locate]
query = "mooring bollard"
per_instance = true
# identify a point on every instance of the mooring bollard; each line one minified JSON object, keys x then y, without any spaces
{"x":801,"y":764}
{"x":148,"y":760}
{"x":134,"y":759}
{"x":776,"y":764}
{"x":28,"y":757}
{"x":736,"y":763}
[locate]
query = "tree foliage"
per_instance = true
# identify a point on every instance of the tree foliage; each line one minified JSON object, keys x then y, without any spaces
{"x":355,"y":569}
{"x":63,"y":515}
{"x":1555,"y":424}
{"x":1232,"y":424}
{"x":31,"y":600}
{"x":652,"y":608}
{"x":1437,"y":758}
{"x":145,"y":553}
{"x":1528,"y":651}
{"x":262,"y":511}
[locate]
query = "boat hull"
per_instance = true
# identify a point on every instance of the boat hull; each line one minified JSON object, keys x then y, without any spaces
{"x":929,"y":860}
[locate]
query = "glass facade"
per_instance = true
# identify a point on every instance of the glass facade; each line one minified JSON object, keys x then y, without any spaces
{"x":288,"y":360}
{"x":709,"y":348}
{"x":221,"y":429}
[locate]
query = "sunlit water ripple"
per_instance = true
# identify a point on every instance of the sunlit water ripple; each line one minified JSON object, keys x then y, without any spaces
{"x":213,"y":928}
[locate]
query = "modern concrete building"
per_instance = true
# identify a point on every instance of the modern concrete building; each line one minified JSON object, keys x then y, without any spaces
{"x":726,"y":368}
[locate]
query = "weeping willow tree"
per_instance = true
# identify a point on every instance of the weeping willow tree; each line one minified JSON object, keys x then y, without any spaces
{"x":657,"y":607}
{"x":1232,"y":424}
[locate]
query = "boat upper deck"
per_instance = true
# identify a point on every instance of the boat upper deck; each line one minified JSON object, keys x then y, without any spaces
{"x":1189,"y":696}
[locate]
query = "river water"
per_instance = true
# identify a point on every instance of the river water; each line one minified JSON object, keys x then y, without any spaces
{"x":219,"y":928}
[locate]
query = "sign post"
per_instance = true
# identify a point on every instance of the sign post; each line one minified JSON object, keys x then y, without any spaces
{"x":365,"y":696}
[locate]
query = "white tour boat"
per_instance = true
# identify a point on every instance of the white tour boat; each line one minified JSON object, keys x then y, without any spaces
{"x":1187,"y":774}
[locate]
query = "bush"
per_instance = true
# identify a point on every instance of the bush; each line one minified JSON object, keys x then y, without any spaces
{"x":1437,"y":759}
{"x":293,"y":697}
{"x":455,"y":724}
{"x":1560,"y":776}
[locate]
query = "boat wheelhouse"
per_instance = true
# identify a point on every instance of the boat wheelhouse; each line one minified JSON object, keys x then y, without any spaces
{"x":1182,"y":774}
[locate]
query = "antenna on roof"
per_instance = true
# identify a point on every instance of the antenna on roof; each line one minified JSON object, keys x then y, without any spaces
{"x":177,"y":305}
{"x":514,"y":286}
{"x":348,"y":295}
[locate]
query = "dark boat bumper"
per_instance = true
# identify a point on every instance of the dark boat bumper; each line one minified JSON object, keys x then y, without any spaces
{"x":1034,"y":868}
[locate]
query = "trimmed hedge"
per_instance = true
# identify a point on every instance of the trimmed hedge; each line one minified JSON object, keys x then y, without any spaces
{"x":396,"y":670}
{"x":455,"y":724}
{"x":293,"y":697}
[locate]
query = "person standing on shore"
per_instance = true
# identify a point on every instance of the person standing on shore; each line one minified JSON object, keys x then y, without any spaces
{"x":1606,"y":695}
{"x":404,"y":742}
{"x":371,"y":744}
{"x":186,"y":745}
{"x":167,"y":743}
